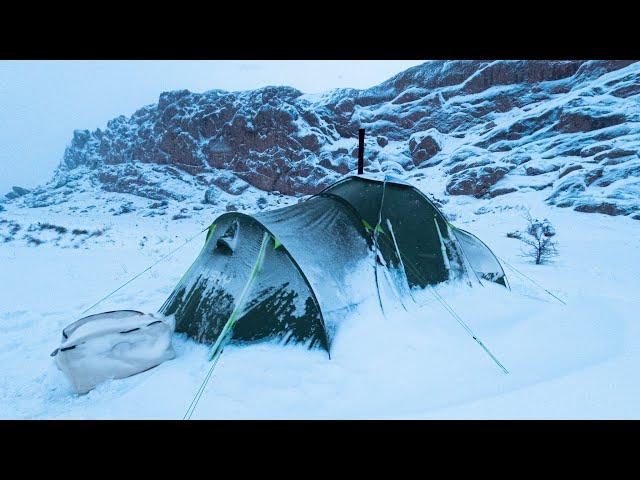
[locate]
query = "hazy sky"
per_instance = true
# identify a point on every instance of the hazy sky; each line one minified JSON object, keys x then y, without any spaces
{"x":42,"y":102}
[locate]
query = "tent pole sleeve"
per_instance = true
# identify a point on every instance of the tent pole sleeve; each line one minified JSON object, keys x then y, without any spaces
{"x":443,"y":249}
{"x":226,"y":330}
{"x":465,"y":260}
{"x":375,"y":244}
{"x":402,"y":269}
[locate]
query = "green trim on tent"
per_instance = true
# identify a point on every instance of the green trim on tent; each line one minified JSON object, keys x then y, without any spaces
{"x":210,"y":231}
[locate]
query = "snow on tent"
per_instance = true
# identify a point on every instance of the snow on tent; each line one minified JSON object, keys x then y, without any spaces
{"x":285,"y":274}
{"x":289,"y":274}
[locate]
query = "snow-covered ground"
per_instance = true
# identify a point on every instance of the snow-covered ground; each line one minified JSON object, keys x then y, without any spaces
{"x":578,"y":360}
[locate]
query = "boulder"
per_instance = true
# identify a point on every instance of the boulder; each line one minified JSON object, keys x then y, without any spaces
{"x":17,"y":192}
{"x":501,"y":191}
{"x":591,"y":150}
{"x":211,"y":195}
{"x":605,"y":207}
{"x":570,"y":169}
{"x":615,"y":153}
{"x":424,"y":145}
{"x":575,"y":121}
{"x":476,"y":181}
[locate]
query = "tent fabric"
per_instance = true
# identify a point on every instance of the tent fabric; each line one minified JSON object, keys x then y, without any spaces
{"x":306,"y":283}
{"x":205,"y":297}
{"x":328,"y":242}
{"x":412,"y":218}
{"x":482,"y":260}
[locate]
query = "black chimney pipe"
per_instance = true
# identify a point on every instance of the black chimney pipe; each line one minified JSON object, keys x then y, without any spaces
{"x":361,"y":151}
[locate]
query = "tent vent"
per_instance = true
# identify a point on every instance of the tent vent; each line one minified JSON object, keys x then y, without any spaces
{"x":227,"y":243}
{"x":361,"y":151}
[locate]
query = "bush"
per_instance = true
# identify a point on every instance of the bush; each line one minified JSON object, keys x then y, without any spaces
{"x":538,"y":238}
{"x":49,"y":226}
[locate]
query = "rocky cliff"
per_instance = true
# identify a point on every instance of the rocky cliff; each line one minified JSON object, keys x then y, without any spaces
{"x":484,"y":128}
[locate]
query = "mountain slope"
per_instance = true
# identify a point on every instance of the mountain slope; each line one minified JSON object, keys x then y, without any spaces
{"x":479,"y":128}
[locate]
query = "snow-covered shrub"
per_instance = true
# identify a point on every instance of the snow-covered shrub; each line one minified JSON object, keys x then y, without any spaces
{"x":538,"y":238}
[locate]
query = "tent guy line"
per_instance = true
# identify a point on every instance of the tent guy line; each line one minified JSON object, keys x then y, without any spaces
{"x":452,"y":312}
{"x":531,"y":280}
{"x":164,"y":257}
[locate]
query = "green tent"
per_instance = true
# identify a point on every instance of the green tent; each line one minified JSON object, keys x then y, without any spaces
{"x":324,"y":256}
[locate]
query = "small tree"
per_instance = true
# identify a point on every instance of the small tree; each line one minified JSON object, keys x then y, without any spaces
{"x":538,"y":237}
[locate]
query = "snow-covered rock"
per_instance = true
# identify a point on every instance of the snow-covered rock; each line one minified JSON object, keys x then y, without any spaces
{"x":424,"y":145}
{"x":16,"y":192}
{"x":476,"y":181}
{"x":465,"y":124}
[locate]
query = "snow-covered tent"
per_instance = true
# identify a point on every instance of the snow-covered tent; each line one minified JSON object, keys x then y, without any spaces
{"x":310,"y":273}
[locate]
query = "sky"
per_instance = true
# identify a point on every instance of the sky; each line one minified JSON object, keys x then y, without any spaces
{"x":42,"y":102}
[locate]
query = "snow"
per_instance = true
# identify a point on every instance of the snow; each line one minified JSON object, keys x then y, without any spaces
{"x":577,"y":360}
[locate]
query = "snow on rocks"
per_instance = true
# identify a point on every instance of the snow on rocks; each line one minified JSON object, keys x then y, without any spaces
{"x":16,"y":192}
{"x":424,"y":145}
{"x":553,"y":115}
{"x":476,"y":181}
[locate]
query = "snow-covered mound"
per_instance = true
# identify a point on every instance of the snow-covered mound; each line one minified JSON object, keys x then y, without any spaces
{"x":484,"y":128}
{"x":577,"y":360}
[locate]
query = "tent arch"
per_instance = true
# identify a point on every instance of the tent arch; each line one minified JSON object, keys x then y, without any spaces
{"x":185,"y":300}
{"x":408,"y":186}
{"x":501,"y":276}
{"x":456,"y":249}
{"x":321,"y":237}
{"x":412,"y":216}
{"x":292,"y":260}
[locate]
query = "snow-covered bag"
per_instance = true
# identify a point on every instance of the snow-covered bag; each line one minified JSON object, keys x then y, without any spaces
{"x":113,"y":345}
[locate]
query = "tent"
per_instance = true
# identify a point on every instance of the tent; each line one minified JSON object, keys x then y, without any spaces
{"x":292,"y":273}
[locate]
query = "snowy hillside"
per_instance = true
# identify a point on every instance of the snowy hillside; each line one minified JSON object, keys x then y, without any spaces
{"x":568,"y":128}
{"x":487,"y":141}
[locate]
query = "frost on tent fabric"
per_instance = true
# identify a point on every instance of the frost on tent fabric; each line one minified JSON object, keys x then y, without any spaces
{"x":481,"y":259}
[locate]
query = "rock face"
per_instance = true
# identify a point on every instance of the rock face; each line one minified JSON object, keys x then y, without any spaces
{"x":476,"y":181}
{"x":490,"y":128}
{"x":16,"y":192}
{"x":424,"y":145}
